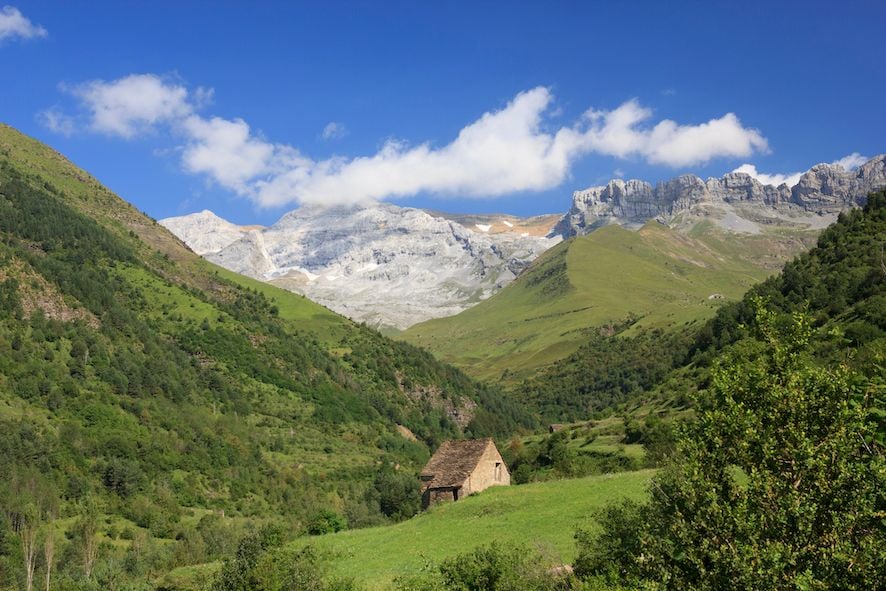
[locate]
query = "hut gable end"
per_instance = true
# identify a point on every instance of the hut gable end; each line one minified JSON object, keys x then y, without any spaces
{"x":460,"y":468}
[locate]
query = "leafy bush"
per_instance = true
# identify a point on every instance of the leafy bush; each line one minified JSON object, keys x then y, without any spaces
{"x":778,"y":484}
{"x":326,"y":521}
{"x":491,"y":568}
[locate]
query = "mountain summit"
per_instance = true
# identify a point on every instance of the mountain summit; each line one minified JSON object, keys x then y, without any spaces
{"x":379,"y":263}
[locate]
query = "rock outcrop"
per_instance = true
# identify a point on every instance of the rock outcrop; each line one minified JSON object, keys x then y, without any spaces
{"x":825,"y":190}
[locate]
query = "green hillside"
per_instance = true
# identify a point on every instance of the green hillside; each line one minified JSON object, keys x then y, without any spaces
{"x":169,"y":402}
{"x":840,"y":282}
{"x":655,"y":278}
{"x":782,"y":465}
{"x":545,"y":515}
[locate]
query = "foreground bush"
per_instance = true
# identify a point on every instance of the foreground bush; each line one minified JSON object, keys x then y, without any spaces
{"x":492,"y":568}
{"x":778,"y":484}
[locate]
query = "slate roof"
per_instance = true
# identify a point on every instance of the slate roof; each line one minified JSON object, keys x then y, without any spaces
{"x":454,"y":461}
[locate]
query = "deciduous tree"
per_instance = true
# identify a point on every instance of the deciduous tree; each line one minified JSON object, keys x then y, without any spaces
{"x":778,"y":484}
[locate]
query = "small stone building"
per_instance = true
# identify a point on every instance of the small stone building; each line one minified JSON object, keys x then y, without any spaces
{"x":460,"y":468}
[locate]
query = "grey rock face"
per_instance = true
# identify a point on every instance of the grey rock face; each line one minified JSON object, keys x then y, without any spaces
{"x":206,"y":231}
{"x":382,"y":264}
{"x":828,"y":188}
{"x":824,"y":190}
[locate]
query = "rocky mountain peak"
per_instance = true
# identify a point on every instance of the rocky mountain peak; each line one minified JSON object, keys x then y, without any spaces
{"x":207,"y":233}
{"x":378,"y":263}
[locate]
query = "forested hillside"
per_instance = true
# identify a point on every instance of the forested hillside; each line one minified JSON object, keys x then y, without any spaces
{"x":151,"y":403}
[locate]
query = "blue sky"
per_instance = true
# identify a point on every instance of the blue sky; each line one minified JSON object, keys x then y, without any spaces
{"x":470,"y":107}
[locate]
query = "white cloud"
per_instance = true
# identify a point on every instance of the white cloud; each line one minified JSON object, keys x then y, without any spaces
{"x":57,"y":122}
{"x":620,"y":133}
{"x":14,"y":24}
{"x":228,"y":153}
{"x":132,"y":105}
{"x":504,"y":151}
{"x":852,"y":161}
{"x":334,"y":131}
{"x":790,"y":179}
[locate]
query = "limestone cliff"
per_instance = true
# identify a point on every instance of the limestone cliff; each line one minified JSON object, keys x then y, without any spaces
{"x":823,"y":191}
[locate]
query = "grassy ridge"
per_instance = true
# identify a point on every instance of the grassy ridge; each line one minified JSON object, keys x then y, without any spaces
{"x":661,"y":276}
{"x":298,"y":310}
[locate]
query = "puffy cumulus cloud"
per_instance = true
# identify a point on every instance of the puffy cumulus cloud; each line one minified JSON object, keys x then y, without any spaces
{"x":850,"y":162}
{"x":230,"y":154}
{"x":790,"y":179}
{"x":133,"y":105}
{"x":334,"y":131}
{"x":507,"y":151}
{"x":14,"y":24}
{"x":504,"y":151}
{"x":621,"y":133}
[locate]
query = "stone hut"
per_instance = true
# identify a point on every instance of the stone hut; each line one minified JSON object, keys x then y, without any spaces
{"x":460,"y":468}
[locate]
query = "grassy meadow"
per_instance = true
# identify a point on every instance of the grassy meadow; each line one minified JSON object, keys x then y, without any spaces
{"x":543,"y":514}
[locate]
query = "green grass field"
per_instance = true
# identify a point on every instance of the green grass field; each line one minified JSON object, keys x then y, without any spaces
{"x":544,"y":515}
{"x":664,"y":277}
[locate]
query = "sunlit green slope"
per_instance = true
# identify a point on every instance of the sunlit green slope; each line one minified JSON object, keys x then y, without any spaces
{"x":543,"y":515}
{"x":138,"y":375}
{"x":658,"y":276}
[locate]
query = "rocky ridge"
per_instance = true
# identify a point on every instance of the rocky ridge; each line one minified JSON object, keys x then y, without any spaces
{"x":736,"y":201}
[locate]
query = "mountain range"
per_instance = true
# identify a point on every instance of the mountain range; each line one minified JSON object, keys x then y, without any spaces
{"x":393,"y":267}
{"x":735,"y":201}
